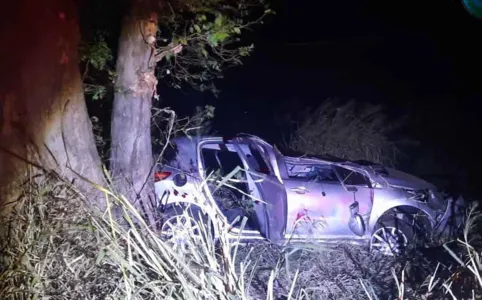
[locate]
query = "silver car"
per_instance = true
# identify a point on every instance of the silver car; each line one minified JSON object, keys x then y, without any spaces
{"x":369,"y":202}
{"x":300,"y":198}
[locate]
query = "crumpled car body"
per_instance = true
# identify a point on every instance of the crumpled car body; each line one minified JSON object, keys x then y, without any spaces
{"x":297,"y":198}
{"x":327,"y":187}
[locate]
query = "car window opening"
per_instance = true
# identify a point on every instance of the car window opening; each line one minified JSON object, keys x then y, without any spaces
{"x":261,"y":160}
{"x":350,"y":177}
{"x":232,"y":200}
{"x":314,"y":173}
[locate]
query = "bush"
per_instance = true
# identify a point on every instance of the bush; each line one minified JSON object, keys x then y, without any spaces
{"x":347,"y":130}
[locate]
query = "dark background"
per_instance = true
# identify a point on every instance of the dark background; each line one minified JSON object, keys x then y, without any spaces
{"x":417,"y":58}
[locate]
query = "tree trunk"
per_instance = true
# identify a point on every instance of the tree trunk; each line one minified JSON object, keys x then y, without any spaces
{"x":131,"y":153}
{"x":43,"y":115}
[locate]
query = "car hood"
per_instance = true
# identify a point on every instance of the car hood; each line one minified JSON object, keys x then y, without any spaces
{"x":399,"y":179}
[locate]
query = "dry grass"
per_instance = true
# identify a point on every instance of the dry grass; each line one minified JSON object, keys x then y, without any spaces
{"x":348,"y":130}
{"x":57,"y":248}
{"x":319,"y":272}
{"x":50,"y":247}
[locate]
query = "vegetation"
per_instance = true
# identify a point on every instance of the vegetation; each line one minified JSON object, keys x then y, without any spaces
{"x":95,"y":57}
{"x":58,"y":247}
{"x":210,"y":36}
{"x":348,"y":130}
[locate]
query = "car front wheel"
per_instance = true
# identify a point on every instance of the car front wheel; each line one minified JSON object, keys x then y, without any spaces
{"x":391,"y":237}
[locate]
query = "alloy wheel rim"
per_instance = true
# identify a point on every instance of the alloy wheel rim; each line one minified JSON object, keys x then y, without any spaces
{"x":180,"y":231}
{"x":388,"y":241}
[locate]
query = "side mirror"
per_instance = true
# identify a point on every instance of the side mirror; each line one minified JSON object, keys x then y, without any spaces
{"x":357,"y":225}
{"x":356,"y":222}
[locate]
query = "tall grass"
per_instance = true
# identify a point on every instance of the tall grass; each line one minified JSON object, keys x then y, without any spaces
{"x":53,"y":246}
{"x":50,"y":247}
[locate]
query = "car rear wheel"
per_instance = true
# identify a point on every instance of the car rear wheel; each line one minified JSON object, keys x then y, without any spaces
{"x":183,"y":227}
{"x":391,"y":237}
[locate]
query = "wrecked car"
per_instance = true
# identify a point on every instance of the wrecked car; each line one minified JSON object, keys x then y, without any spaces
{"x":389,"y":209}
{"x":302,"y":198}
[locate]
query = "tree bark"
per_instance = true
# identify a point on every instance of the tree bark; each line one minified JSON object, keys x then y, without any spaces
{"x":131,"y":153}
{"x":43,"y":115}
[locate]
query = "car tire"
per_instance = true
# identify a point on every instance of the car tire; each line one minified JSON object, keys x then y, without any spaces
{"x":392,"y":237}
{"x":179,"y":226}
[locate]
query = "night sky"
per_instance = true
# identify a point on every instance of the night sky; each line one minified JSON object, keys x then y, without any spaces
{"x":420,"y":58}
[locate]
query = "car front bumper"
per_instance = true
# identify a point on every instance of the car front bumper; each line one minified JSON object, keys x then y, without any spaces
{"x":452,"y":222}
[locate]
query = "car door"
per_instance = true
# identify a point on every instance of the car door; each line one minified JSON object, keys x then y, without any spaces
{"x":354,"y":186}
{"x":324,"y":200}
{"x":265,"y":186}
{"x":312,"y":206}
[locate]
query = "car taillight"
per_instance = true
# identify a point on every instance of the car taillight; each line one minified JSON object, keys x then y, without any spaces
{"x":158,"y":176}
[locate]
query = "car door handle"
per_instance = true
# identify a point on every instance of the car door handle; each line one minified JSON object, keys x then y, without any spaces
{"x":300,"y":190}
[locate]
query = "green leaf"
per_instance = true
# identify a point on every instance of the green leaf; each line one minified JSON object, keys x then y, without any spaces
{"x":245,"y":51}
{"x":212,"y":40}
{"x":204,"y":52}
{"x":218,"y":37}
{"x":237,"y":30}
{"x":219,"y":20}
{"x":197,"y":28}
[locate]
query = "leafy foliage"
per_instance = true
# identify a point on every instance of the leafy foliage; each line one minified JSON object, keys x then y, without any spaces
{"x":210,"y":34}
{"x":197,"y":40}
{"x":348,"y":130}
{"x":96,"y":54}
{"x":201,"y":121}
{"x":96,"y":91}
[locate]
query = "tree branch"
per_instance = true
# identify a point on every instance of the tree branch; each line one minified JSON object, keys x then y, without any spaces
{"x":163,"y":53}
